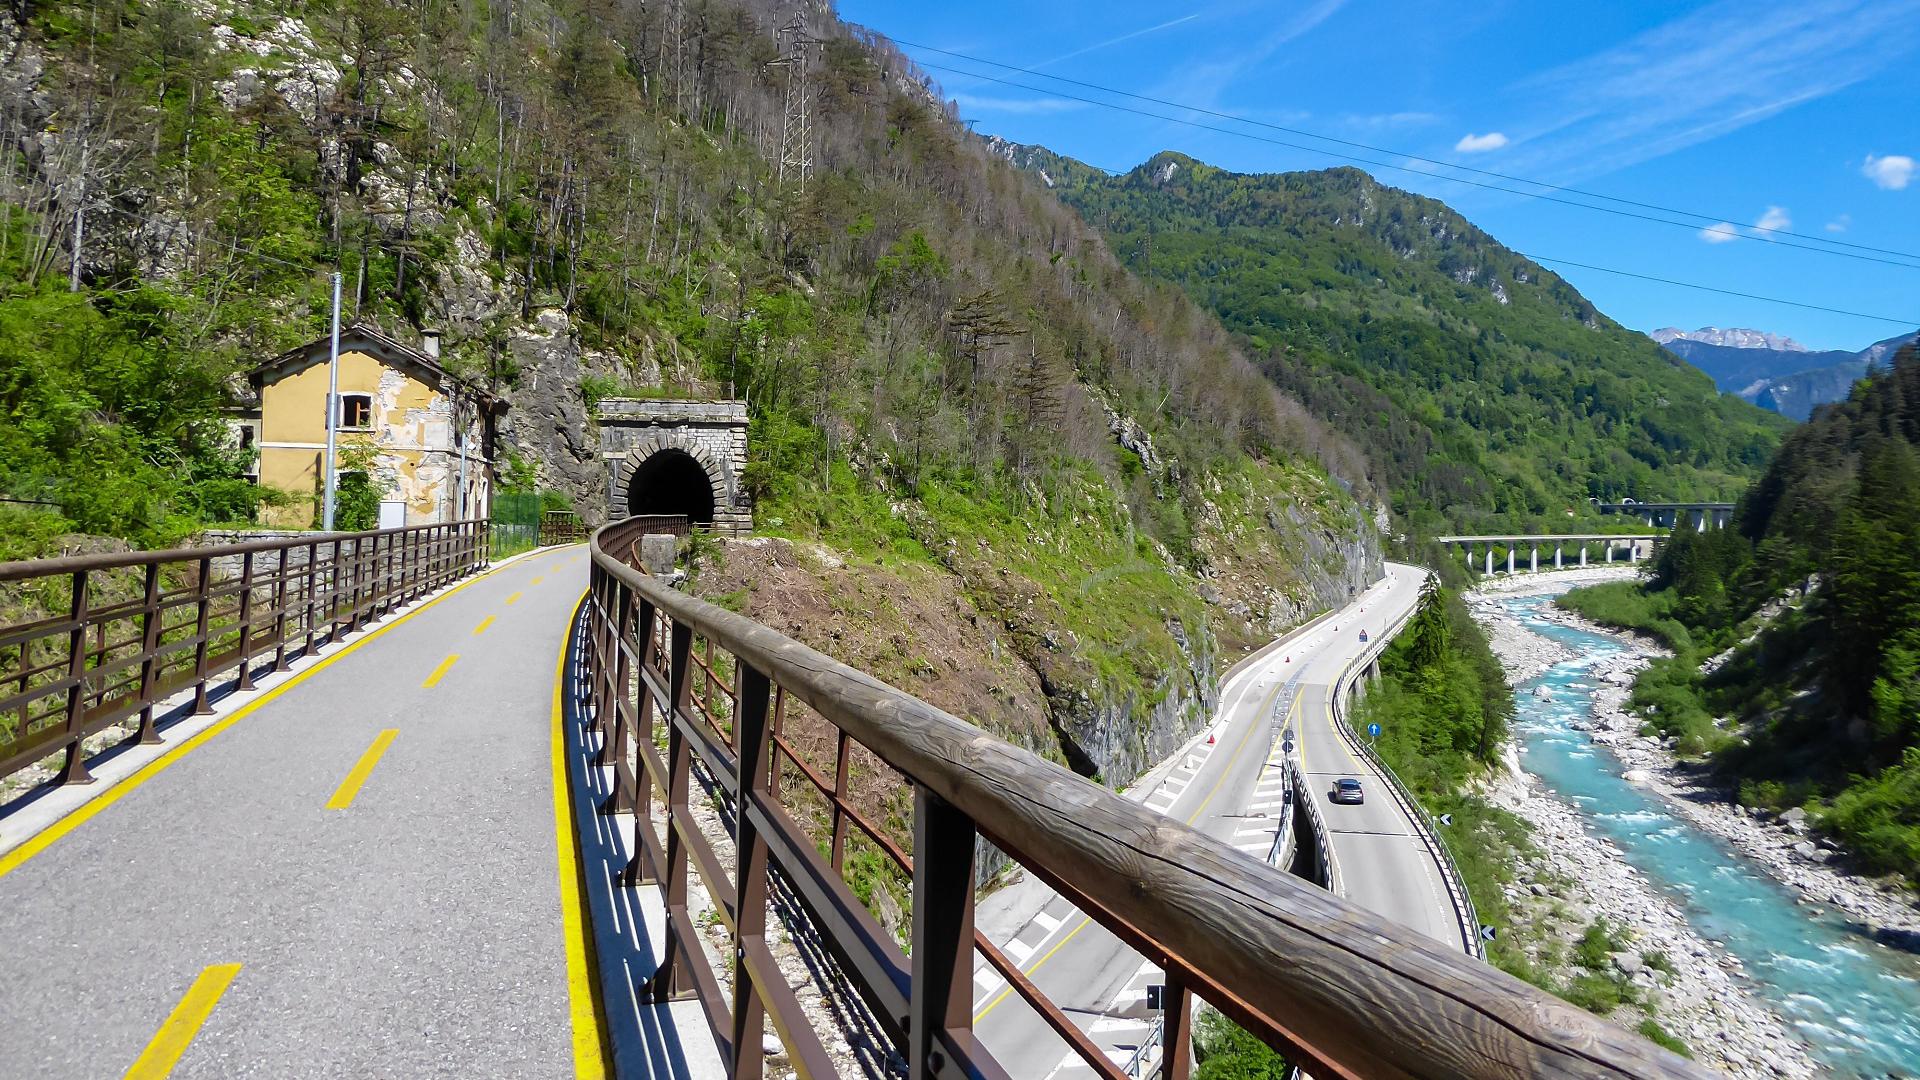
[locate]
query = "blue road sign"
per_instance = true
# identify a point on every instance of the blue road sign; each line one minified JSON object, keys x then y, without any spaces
{"x":1373,"y":730}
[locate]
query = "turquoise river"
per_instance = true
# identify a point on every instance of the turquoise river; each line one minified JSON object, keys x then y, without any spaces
{"x":1856,"y":1003}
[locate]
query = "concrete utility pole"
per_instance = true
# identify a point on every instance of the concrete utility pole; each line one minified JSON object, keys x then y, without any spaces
{"x":333,"y":412}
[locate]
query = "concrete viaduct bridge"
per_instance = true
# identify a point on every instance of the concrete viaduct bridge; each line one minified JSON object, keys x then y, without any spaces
{"x":1668,"y":515}
{"x":376,"y":804}
{"x":1567,"y":550}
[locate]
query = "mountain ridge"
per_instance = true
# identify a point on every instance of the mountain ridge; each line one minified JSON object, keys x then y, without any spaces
{"x":1484,"y":386}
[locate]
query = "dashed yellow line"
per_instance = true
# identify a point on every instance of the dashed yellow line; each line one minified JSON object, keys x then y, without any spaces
{"x":350,"y":787}
{"x":163,"y":1053}
{"x":440,"y":672}
{"x":513,"y":599}
{"x":538,"y":580}
{"x":482,"y":628}
{"x":44,"y":839}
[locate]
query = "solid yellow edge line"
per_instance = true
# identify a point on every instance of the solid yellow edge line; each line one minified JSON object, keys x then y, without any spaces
{"x":484,"y":623}
{"x":163,"y":1053}
{"x":343,"y":795}
{"x":440,"y":672}
{"x":40,"y":841}
{"x":592,"y":1058}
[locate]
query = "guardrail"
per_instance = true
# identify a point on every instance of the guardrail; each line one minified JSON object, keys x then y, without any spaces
{"x":1329,"y":877}
{"x":750,"y":711}
{"x":1464,"y":913}
{"x":140,"y":627}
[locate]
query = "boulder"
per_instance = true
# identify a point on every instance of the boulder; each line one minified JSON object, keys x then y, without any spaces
{"x":1627,"y":963}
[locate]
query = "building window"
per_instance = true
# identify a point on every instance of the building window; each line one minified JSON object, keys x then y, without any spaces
{"x":356,"y":411}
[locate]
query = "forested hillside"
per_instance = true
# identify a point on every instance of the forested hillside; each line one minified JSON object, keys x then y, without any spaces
{"x":1798,"y":634}
{"x":953,"y":384}
{"x":1485,"y":389}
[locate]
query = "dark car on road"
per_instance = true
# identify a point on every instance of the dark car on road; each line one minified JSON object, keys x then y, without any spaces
{"x":1346,"y":790}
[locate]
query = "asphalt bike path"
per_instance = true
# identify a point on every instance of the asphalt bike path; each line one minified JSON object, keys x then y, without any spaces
{"x":357,"y":880}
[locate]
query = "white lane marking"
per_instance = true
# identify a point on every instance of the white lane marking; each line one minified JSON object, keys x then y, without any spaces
{"x":1047,"y":922}
{"x":1018,"y":950}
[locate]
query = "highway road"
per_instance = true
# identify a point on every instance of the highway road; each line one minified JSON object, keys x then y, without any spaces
{"x":1232,"y":789}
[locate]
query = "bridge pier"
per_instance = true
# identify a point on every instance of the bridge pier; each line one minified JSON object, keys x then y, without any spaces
{"x":1489,"y":560}
{"x":1583,"y":554}
{"x":1533,"y":564}
{"x":1509,"y":558}
{"x":1556,"y":556}
{"x":1609,"y":547}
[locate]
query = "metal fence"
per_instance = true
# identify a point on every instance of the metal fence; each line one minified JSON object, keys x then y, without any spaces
{"x":514,"y":523}
{"x":140,"y":627}
{"x":693,"y":703}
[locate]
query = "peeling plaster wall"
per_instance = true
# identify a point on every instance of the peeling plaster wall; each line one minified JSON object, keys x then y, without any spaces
{"x":416,"y":460}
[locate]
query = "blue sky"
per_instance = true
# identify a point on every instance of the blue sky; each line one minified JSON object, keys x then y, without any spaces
{"x":1801,"y":115}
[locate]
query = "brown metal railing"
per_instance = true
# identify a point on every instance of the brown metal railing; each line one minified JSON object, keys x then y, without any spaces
{"x":561,"y":527}
{"x":694,"y":702}
{"x":141,"y":627}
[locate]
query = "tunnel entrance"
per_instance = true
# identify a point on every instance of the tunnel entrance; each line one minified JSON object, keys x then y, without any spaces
{"x":671,"y":482}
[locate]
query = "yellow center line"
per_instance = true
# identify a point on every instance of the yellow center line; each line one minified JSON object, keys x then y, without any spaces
{"x":484,"y":623}
{"x":343,"y":796}
{"x":160,"y":1056}
{"x":1237,"y":749}
{"x":1086,"y":919}
{"x":538,"y":580}
{"x":513,"y":598}
{"x":440,"y":672}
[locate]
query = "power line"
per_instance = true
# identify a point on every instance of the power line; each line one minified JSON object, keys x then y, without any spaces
{"x":1457,"y":180}
{"x":1723,"y":292}
{"x":1768,"y":235}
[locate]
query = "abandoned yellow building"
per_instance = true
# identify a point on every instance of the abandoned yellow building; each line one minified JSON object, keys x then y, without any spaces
{"x":430,"y":432}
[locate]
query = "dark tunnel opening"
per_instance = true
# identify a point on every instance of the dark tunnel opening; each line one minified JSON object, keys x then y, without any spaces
{"x":671,"y":482}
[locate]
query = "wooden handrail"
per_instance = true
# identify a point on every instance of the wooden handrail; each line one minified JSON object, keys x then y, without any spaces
{"x":1330,"y":984}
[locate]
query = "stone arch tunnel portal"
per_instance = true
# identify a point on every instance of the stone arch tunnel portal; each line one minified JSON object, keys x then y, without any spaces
{"x":672,"y":481}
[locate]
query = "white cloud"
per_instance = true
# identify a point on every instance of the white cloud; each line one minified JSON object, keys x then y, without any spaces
{"x":1840,"y":223}
{"x":1699,"y":76}
{"x":1774,"y":220}
{"x":1170,"y":23}
{"x":1724,"y":233}
{"x":1478,"y":144}
{"x":1892,"y":172}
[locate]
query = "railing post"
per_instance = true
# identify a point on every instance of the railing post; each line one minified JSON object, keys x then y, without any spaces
{"x":362,"y":584}
{"x":750,"y":907}
{"x":310,"y":615}
{"x":837,"y":847}
{"x":333,"y":595}
{"x":246,"y":622}
{"x":150,"y":620}
{"x":1176,"y":1031}
{"x":672,"y":980}
{"x":613,"y":722}
{"x":942,"y":997}
{"x":201,"y":706}
{"x":640,"y":869}
{"x":280,"y":611}
{"x":75,"y":770}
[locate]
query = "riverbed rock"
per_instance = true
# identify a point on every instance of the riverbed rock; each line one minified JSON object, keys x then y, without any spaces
{"x":1626,"y":963}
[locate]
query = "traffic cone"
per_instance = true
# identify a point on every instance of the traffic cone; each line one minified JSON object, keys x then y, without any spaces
{"x":1209,"y":738}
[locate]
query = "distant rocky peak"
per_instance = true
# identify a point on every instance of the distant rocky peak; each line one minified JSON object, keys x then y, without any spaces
{"x":1732,"y":338}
